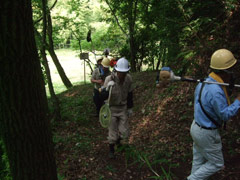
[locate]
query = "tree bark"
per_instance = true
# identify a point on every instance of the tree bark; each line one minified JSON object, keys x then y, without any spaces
{"x":131,"y":23}
{"x":161,"y":48}
{"x":25,"y":126}
{"x":52,"y":53}
{"x":54,"y":98}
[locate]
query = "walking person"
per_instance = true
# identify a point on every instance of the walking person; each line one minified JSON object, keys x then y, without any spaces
{"x":98,"y":77}
{"x":121,"y":103}
{"x":212,"y":108}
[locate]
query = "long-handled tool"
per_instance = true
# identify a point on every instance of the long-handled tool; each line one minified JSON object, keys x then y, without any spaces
{"x":105,"y":112}
{"x":167,"y":74}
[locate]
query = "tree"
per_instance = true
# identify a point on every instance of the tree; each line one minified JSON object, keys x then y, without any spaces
{"x":25,"y":126}
{"x":50,"y":44}
{"x":61,"y":72}
{"x":127,"y":12}
{"x":54,"y":98}
{"x":78,"y":19}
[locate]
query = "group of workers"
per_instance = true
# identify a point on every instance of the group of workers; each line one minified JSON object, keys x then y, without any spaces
{"x":212,"y":108}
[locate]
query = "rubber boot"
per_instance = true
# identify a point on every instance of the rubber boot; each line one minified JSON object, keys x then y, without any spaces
{"x":118,"y":143}
{"x":111,"y":151}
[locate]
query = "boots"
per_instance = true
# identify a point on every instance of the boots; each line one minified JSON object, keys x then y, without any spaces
{"x":118,"y":143}
{"x":121,"y":147}
{"x":111,"y":151}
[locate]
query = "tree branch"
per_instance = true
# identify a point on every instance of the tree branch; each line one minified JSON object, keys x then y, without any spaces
{"x":124,"y":32}
{"x":37,"y":21}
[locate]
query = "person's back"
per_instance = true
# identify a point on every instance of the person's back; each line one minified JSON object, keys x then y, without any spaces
{"x":215,"y":104}
{"x":98,"y":78}
{"x":211,"y":109}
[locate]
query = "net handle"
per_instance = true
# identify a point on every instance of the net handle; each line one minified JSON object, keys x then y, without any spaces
{"x":109,"y":96}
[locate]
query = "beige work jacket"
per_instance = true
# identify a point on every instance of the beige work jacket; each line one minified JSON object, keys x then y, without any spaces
{"x":96,"y":75}
{"x":119,"y":91}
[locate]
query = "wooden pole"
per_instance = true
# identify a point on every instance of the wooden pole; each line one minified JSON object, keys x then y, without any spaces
{"x":84,"y":73}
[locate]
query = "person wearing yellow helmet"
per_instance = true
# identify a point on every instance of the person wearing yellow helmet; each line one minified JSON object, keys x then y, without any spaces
{"x":212,"y":108}
{"x":99,"y":61}
{"x":98,"y":78}
{"x":222,"y":59}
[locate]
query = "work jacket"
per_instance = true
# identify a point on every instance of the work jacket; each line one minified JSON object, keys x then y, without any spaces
{"x":121,"y":93}
{"x":215,"y":104}
{"x":98,"y":74}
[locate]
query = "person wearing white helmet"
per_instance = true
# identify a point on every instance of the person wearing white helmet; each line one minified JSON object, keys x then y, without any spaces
{"x":121,"y":103}
{"x":98,"y":77}
{"x":212,"y":108}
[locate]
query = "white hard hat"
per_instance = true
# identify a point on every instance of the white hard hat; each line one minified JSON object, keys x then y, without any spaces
{"x":122,"y":65}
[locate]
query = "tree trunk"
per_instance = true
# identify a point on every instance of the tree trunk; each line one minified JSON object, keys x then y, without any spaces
{"x":161,"y":47}
{"x":25,"y":126}
{"x":50,"y":48}
{"x":164,"y":57}
{"x":158,"y":63}
{"x":132,"y":53}
{"x":131,"y":24}
{"x":54,"y":58}
{"x":54,"y":98}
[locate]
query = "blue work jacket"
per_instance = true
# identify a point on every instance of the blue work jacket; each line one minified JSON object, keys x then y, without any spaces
{"x":214,"y":102}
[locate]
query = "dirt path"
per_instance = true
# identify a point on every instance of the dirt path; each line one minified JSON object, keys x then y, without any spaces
{"x":159,"y":136}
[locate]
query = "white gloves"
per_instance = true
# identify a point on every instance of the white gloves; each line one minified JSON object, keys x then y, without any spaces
{"x":130,"y":112}
{"x":109,"y":84}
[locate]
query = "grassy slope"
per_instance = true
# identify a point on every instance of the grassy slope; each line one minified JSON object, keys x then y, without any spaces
{"x":159,"y":141}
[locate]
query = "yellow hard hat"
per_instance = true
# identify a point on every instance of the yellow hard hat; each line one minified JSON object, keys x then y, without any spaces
{"x":222,"y":59}
{"x":105,"y":62}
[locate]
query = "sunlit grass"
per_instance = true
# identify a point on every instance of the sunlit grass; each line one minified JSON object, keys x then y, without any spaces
{"x":73,"y":67}
{"x":59,"y":87}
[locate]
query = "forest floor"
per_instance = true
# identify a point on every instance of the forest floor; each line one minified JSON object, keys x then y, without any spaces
{"x":160,"y":145}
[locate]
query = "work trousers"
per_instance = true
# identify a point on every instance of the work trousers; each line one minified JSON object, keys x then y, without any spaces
{"x":207,"y":153}
{"x":97,"y":99}
{"x":119,"y":126}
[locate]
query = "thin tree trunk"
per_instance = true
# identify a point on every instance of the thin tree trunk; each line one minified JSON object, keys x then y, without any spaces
{"x":158,"y":63}
{"x":53,"y":56}
{"x":164,"y":57}
{"x":160,"y":55}
{"x":131,"y":24}
{"x":113,"y":13}
{"x":60,"y":70}
{"x":25,"y":126}
{"x":52,"y":53}
{"x":39,"y":20}
{"x":54,"y":98}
